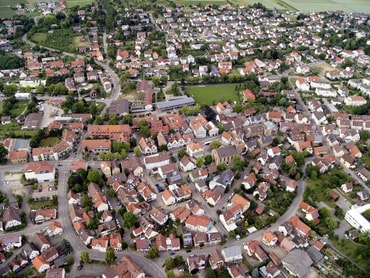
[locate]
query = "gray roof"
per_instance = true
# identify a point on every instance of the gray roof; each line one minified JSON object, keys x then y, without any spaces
{"x":20,"y":144}
{"x":118,"y":107}
{"x":232,"y":251}
{"x":298,"y":262}
{"x":175,"y":103}
{"x":226,"y":151}
{"x":315,"y":254}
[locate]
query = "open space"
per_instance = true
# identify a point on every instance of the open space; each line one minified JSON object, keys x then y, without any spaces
{"x":212,"y":94}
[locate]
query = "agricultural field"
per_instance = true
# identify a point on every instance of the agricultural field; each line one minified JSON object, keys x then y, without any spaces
{"x":313,"y":5}
{"x":81,"y":3}
{"x":211,"y":94}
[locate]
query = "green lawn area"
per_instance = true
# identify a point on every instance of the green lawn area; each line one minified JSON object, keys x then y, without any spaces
{"x":78,"y":42}
{"x":212,"y":94}
{"x":34,"y":205}
{"x":6,"y":130}
{"x":49,"y":142}
{"x":39,"y":37}
{"x":351,"y":250}
{"x":81,"y":3}
{"x":18,"y":108}
{"x":319,"y":192}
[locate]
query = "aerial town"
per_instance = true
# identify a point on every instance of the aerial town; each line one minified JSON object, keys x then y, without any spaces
{"x":183,"y":139}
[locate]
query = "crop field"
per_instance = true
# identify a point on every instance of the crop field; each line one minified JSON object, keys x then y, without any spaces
{"x":314,"y":5}
{"x":211,"y":94}
{"x":81,"y":3}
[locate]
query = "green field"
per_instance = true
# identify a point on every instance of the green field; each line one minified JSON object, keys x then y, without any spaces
{"x":211,"y":94}
{"x":81,"y":3}
{"x":313,"y":5}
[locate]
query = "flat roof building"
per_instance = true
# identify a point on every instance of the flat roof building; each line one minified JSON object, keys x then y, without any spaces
{"x":175,"y":104}
{"x":355,"y":218}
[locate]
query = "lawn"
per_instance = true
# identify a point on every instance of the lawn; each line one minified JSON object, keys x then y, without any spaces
{"x":319,"y":192}
{"x":211,"y":94}
{"x":49,"y":142}
{"x":35,"y":205}
{"x":78,"y":41}
{"x":39,"y":37}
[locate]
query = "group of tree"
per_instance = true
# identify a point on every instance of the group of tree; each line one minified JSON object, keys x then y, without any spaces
{"x":10,"y":61}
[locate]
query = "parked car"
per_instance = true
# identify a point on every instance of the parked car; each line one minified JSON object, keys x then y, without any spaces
{"x":172,"y":253}
{"x":188,"y":251}
{"x":80,"y":267}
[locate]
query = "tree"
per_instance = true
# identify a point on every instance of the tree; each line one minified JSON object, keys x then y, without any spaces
{"x":181,"y":153}
{"x":208,"y":159}
{"x":153,"y":253}
{"x":3,"y":152}
{"x":324,"y":212}
{"x":110,"y":256}
{"x":238,"y":163}
{"x":200,"y":161}
{"x":169,"y":263}
{"x":137,"y":151}
{"x":129,"y":219}
{"x":85,"y":257}
{"x":210,"y":273}
{"x":110,"y":192}
{"x":215,"y":144}
{"x":94,"y":176}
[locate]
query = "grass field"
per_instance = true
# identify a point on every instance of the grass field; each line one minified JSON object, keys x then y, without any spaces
{"x":49,"y":142}
{"x":213,"y":93}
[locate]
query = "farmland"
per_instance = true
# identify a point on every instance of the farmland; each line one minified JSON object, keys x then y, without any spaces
{"x":313,"y":5}
{"x":213,"y":93}
{"x":81,"y":3}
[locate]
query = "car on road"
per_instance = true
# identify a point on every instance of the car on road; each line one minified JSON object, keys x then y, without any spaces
{"x":188,"y":251}
{"x":172,"y":253}
{"x":80,"y":267}
{"x":159,"y":188}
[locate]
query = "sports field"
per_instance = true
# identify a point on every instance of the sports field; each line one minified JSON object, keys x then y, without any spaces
{"x":211,"y":94}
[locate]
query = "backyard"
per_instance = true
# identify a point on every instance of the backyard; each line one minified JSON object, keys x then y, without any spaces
{"x":211,"y":94}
